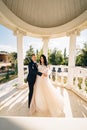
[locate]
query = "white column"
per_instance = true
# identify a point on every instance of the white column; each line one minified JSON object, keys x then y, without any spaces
{"x":20,"y":57}
{"x":45,"y":46}
{"x":71,"y":61}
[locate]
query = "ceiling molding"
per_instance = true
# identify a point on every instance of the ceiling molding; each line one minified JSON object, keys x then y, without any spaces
{"x":16,"y":22}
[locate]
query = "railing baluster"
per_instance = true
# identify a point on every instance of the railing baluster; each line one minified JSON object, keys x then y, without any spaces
{"x":59,"y":77}
{"x":83,"y":86}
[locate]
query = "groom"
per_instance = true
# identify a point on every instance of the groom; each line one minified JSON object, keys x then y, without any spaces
{"x":33,"y":72}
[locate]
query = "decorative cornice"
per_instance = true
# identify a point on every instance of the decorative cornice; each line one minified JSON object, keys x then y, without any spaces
{"x":73,"y":32}
{"x":45,"y":39}
{"x":19,"y":32}
{"x":16,"y":22}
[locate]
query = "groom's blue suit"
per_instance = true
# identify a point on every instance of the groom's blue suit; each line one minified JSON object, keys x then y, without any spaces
{"x":33,"y":72}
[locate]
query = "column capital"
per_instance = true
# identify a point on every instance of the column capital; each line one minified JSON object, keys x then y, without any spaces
{"x":73,"y":32}
{"x":19,"y":32}
{"x":45,"y":39}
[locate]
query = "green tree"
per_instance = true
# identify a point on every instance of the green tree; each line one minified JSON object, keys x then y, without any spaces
{"x":81,"y":59}
{"x":55,"y":58}
{"x":28,"y":55}
{"x":64,"y":53}
{"x":59,"y":58}
{"x":65,"y":58}
{"x":13,"y":59}
{"x":49,"y":53}
{"x":52,"y":57}
{"x":38,"y":54}
{"x":84,"y":55}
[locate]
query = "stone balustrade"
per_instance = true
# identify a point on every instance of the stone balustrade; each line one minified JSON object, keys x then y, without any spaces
{"x":59,"y":76}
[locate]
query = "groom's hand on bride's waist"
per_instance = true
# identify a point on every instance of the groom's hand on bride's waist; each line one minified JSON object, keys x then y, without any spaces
{"x":44,"y":74}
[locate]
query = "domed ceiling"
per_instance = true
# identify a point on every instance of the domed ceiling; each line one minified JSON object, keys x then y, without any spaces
{"x":46,"y":13}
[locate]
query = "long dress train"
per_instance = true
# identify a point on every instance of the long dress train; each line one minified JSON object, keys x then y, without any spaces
{"x":45,"y":98}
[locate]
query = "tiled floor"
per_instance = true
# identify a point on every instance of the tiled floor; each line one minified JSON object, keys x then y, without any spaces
{"x":13,"y":102}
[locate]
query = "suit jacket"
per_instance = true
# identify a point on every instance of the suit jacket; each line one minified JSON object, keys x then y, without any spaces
{"x":33,"y":72}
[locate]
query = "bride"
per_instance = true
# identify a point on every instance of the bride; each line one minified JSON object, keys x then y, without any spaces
{"x":45,"y":99}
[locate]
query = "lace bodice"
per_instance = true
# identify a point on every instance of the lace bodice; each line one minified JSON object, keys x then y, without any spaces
{"x":43,"y":69}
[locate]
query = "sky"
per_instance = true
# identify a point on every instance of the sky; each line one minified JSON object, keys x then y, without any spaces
{"x":8,"y":41}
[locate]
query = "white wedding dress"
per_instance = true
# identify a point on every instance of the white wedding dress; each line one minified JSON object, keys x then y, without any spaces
{"x":45,"y":98}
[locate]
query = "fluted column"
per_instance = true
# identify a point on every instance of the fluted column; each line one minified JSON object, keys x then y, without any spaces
{"x":45,"y":46}
{"x":19,"y":34}
{"x":72,"y":56}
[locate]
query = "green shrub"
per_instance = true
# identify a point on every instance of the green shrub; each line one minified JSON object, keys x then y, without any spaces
{"x":7,"y":75}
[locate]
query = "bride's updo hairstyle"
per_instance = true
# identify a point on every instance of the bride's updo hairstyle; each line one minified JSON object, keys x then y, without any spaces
{"x":45,"y":60}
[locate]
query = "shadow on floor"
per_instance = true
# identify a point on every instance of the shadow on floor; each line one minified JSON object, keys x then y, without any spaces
{"x":78,"y":106}
{"x":6,"y":124}
{"x":14,"y":103}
